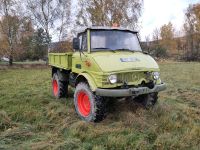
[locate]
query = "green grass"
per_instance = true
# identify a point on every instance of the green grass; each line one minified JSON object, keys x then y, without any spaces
{"x":30,"y":62}
{"x":24,"y":63}
{"x":30,"y":118}
{"x":3,"y":63}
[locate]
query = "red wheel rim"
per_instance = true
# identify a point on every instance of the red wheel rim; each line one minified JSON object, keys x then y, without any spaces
{"x":83,"y":104}
{"x":55,"y":87}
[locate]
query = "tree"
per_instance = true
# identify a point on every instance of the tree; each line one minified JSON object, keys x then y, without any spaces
{"x":167,"y":37}
{"x":10,"y":25}
{"x":39,"y":45}
{"x":25,"y":45}
{"x":4,"y":47}
{"x":192,"y":31}
{"x":107,"y":12}
{"x":64,"y":16}
{"x":154,"y":47}
{"x":44,"y":13}
{"x":146,"y":46}
{"x":156,"y":35}
{"x":51,"y":15}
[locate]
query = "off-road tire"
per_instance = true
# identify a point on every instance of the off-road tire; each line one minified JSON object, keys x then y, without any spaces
{"x":93,"y":112}
{"x":147,"y":100}
{"x":59,"y":88}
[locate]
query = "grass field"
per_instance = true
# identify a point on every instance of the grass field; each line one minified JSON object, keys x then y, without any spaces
{"x":30,"y":118}
{"x":24,"y":63}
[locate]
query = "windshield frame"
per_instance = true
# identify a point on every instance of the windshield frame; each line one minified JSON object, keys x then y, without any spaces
{"x":129,"y":31}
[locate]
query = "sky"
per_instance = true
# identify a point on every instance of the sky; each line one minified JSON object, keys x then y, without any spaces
{"x":159,"y":12}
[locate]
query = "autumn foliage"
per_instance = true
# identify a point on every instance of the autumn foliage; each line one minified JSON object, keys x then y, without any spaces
{"x":31,"y":28}
{"x":178,"y":44}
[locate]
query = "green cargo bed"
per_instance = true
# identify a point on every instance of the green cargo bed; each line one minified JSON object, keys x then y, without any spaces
{"x":61,"y":60}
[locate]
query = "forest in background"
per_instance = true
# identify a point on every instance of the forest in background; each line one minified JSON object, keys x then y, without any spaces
{"x":30,"y":28}
{"x":184,"y":44}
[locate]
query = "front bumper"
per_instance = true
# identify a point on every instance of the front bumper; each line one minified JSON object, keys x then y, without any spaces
{"x":130,"y":92}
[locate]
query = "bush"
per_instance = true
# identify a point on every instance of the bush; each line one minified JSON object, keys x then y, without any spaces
{"x":159,"y":51}
{"x":192,"y":56}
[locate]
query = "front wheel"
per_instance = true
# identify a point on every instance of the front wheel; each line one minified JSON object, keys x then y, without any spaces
{"x":147,"y":100}
{"x":89,"y":106}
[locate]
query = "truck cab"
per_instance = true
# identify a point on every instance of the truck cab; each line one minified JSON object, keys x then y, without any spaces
{"x":107,"y":62}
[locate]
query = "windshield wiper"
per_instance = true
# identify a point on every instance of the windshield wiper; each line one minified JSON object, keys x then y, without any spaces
{"x":103,"y":48}
{"x":124,"y":49}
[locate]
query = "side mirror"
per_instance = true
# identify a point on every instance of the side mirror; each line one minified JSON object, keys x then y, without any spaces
{"x":145,"y":52}
{"x":76,"y":44}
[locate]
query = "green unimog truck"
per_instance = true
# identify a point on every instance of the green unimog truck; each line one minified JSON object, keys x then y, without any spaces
{"x":107,"y":63}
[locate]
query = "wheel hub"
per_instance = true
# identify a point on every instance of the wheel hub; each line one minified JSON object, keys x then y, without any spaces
{"x":55,"y":87}
{"x":84,"y":104}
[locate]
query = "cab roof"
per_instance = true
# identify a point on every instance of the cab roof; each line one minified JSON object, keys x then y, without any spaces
{"x":106,"y":28}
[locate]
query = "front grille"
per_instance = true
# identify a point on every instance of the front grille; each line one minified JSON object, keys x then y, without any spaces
{"x":130,"y":77}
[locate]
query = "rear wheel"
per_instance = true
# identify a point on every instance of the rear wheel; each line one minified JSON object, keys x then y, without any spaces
{"x":89,"y":107}
{"x":59,"y":88}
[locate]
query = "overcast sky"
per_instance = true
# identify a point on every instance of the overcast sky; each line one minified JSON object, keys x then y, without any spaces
{"x":159,"y":12}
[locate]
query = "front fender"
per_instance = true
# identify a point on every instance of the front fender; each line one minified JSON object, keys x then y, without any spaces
{"x":90,"y":81}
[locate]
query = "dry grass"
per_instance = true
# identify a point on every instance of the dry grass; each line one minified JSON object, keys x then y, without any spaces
{"x":30,"y":118}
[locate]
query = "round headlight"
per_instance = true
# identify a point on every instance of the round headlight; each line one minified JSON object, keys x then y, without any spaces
{"x":112,"y":79}
{"x":156,"y":75}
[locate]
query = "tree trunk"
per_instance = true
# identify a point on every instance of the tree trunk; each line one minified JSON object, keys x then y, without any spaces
{"x":11,"y":55}
{"x":11,"y":60}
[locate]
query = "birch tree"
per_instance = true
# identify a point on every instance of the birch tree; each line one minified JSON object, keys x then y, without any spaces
{"x":51,"y":15}
{"x":10,"y":25}
{"x":107,"y":12}
{"x":192,"y":32}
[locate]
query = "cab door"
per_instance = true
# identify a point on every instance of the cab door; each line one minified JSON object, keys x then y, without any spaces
{"x":80,"y":56}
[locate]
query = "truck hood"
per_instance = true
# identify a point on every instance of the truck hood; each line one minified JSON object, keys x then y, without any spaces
{"x":124,"y":61}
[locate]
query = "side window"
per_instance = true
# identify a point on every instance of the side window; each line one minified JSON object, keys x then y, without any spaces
{"x":84,"y":42}
{"x":80,"y":39}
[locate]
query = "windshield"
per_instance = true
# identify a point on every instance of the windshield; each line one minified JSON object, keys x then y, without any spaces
{"x":114,"y":40}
